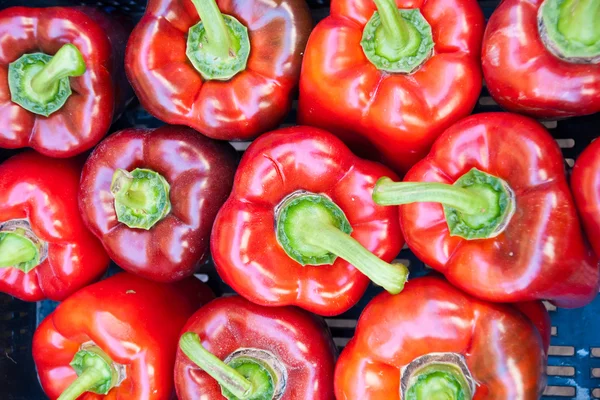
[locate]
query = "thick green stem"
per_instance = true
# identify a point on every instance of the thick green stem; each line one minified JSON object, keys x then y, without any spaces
{"x":579,"y":21}
{"x":388,"y":192}
{"x":219,"y":42}
{"x":141,"y":197}
{"x":313,"y":230}
{"x":67,"y":62}
{"x":82,"y":384}
{"x":396,"y":29}
{"x":397,"y":40}
{"x":96,"y":373}
{"x":476,"y":206}
{"x":16,"y":250}
{"x":228,"y":377}
{"x":391,"y":277}
{"x":219,"y":45}
{"x":40,"y":83}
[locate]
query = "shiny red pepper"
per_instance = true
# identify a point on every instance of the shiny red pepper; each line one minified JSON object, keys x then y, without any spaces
{"x":389,"y":82}
{"x":151,"y":196}
{"x":256,"y":353}
{"x":293,"y":230}
{"x":491,"y":210}
{"x":59,"y":76}
{"x":585,"y":184}
{"x":542,"y":57}
{"x":115,"y":339}
{"x":230,"y":76}
{"x":46,"y":252}
{"x":433,"y":341}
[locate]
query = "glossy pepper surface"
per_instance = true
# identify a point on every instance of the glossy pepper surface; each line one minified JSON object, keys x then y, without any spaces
{"x":226,"y":68}
{"x":490,"y":208}
{"x":61,"y":81}
{"x":151,"y":196}
{"x":300,"y":225}
{"x":542,"y":57}
{"x":585,"y":184}
{"x":46,"y":251}
{"x":115,"y":339}
{"x":389,"y":76}
{"x":257,"y":353}
{"x":432,"y":341}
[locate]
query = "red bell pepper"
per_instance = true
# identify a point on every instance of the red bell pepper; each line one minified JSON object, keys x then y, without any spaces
{"x":46,"y":252}
{"x":151,"y":196}
{"x":388,"y":81}
{"x":300,"y":227}
{"x":231,"y":75}
{"x":542,"y":57}
{"x":59,"y":75}
{"x":536,"y":312}
{"x":256,"y":353}
{"x":115,"y":339}
{"x":585,"y":184}
{"x":490,"y":208}
{"x":434,"y":342}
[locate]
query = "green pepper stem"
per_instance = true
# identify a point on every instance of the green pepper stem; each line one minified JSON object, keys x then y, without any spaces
{"x":96,"y":373}
{"x":579,"y":21}
{"x":16,"y":249}
{"x":82,"y":384}
{"x":395,"y":27}
{"x":313,"y":230}
{"x":227,"y":376}
{"x":219,"y":39}
{"x":388,"y":192}
{"x":392,"y":277}
{"x":67,"y":62}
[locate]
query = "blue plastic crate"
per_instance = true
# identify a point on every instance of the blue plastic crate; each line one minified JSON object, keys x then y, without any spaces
{"x":574,"y":363}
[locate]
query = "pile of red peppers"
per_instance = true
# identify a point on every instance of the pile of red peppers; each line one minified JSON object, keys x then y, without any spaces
{"x":386,"y":155}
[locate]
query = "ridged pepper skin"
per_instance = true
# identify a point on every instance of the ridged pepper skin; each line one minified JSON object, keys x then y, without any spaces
{"x":299,"y":340}
{"x":523,"y":76}
{"x":44,"y":191}
{"x":585,"y":184}
{"x":503,"y":350}
{"x":200,"y":173}
{"x":541,"y":253}
{"x":98,"y":95}
{"x":134,"y":321}
{"x":244,"y":243}
{"x":253,"y":101}
{"x":391,"y":117}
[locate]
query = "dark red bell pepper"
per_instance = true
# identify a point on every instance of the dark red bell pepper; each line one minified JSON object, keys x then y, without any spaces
{"x":61,"y":82}
{"x":388,"y":81}
{"x":536,"y":312}
{"x":490,"y":208}
{"x":300,"y":227}
{"x":151,"y":196}
{"x":542,"y":57}
{"x":434,"y":342}
{"x":115,"y":339}
{"x":585,"y":184}
{"x":46,"y":251}
{"x":231,"y":75}
{"x":255,"y":353}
